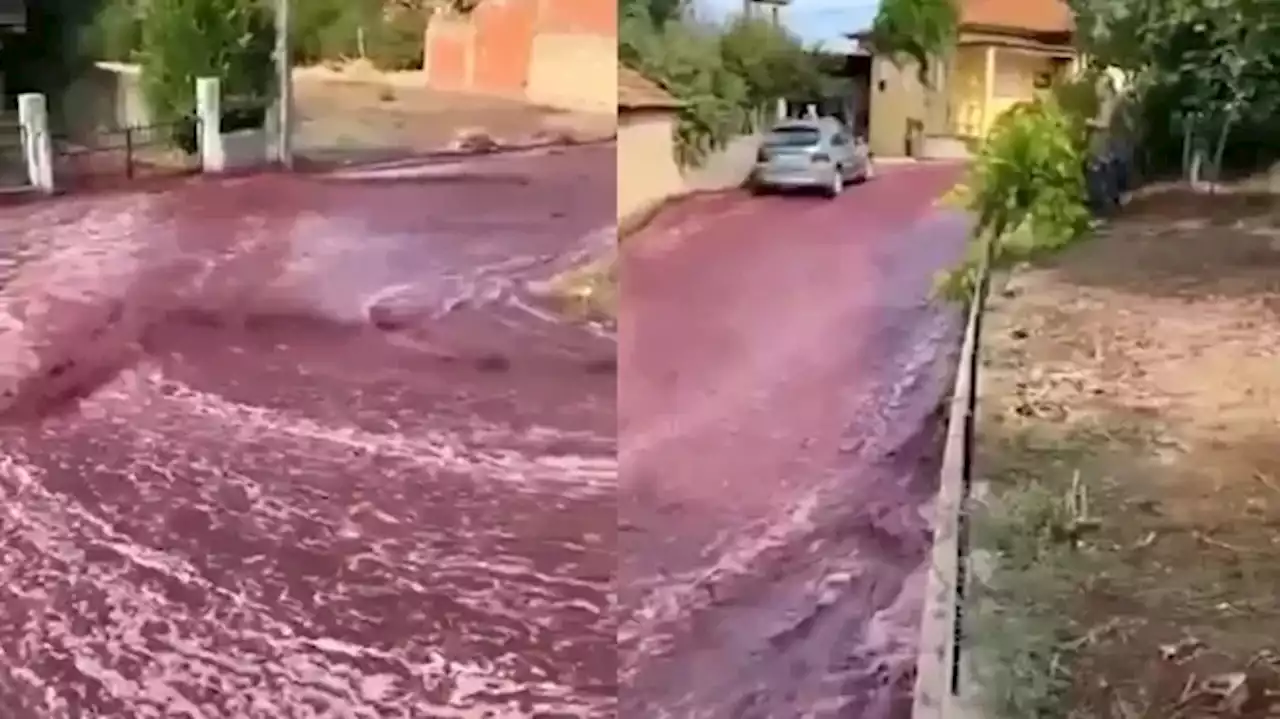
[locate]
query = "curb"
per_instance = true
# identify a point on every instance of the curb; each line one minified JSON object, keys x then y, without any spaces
{"x":639,"y":219}
{"x":939,"y":682}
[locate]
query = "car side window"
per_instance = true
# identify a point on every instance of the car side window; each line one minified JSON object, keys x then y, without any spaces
{"x":839,"y":140}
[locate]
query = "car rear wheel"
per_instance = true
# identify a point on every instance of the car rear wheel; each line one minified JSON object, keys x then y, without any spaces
{"x":836,"y":185}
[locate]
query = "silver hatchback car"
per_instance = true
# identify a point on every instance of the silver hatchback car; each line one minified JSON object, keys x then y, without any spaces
{"x":810,"y":154}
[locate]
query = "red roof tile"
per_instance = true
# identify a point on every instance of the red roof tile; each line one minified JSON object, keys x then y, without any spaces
{"x":1031,"y":16}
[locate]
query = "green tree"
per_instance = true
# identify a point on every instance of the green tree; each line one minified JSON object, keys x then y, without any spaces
{"x":771,"y":61}
{"x":919,"y":30}
{"x":1204,"y":75}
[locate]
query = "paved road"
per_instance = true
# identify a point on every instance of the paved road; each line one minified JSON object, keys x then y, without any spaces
{"x":298,"y":447}
{"x":778,"y":425}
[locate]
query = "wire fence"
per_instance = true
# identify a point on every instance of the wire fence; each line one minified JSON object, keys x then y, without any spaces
{"x":13,"y":155}
{"x":135,"y":152}
{"x":1110,"y":173}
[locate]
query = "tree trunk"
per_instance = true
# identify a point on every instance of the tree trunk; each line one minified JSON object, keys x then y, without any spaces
{"x":1188,"y":135}
{"x":1221,"y":148}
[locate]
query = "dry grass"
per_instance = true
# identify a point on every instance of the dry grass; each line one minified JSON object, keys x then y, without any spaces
{"x":1130,"y":440}
{"x":362,"y":113}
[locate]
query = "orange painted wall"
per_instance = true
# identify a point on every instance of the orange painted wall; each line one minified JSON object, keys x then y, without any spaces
{"x":503,"y":45}
{"x":495,"y":57}
{"x":449,"y":62}
{"x":584,"y":17}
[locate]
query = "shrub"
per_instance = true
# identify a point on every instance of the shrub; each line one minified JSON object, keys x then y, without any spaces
{"x":186,"y":39}
{"x":395,"y":40}
{"x":391,"y":38}
{"x":325,"y":30}
{"x":1026,"y":190}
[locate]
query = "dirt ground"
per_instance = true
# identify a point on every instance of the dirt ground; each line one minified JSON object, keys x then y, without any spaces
{"x":358,"y":115}
{"x":1128,"y":437}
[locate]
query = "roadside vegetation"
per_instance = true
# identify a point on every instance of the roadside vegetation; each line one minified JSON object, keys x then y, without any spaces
{"x":389,"y":35}
{"x":64,"y":37}
{"x":175,"y":41}
{"x":727,"y":76}
{"x":1124,"y":529}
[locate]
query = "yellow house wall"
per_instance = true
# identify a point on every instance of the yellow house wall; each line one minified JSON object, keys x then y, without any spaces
{"x":647,"y":171}
{"x":897,"y":96}
{"x":968,"y":72}
{"x":574,"y":72}
{"x":1013,"y":82}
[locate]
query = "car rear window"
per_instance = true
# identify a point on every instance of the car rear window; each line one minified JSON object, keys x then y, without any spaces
{"x":793,"y":137}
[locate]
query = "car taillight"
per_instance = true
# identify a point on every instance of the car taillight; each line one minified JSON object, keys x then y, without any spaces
{"x":762,"y":155}
{"x":821,"y":157}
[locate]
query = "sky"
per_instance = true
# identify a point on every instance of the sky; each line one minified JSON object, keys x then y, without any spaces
{"x":825,"y":21}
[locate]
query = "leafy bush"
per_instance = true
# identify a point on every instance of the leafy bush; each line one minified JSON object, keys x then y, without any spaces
{"x":186,"y":39}
{"x":1026,"y":190}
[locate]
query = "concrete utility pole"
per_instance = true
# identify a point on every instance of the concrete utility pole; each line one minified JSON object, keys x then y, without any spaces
{"x":284,"y":82}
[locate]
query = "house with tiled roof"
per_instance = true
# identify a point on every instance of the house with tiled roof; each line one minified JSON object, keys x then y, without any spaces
{"x":1007,"y":51}
{"x":647,"y":170}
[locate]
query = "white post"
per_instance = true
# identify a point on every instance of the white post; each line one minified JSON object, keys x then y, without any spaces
{"x":213,"y":156}
{"x":988,"y":90}
{"x":33,"y":115}
{"x":782,"y":108}
{"x":271,"y":130}
{"x":284,"y":84}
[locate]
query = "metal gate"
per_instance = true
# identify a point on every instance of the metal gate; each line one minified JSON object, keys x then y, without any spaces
{"x":13,"y":155}
{"x":111,"y":156}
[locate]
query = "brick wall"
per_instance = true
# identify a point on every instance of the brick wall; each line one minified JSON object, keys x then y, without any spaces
{"x":558,"y":52}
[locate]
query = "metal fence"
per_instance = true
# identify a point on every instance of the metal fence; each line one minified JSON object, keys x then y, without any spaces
{"x":1111,"y":171}
{"x":127,"y":153}
{"x":13,"y":156}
